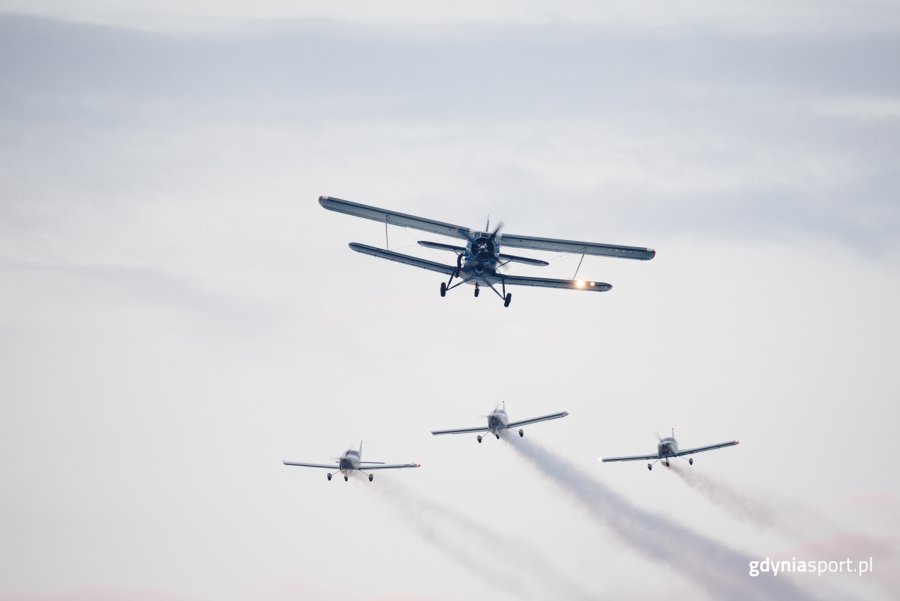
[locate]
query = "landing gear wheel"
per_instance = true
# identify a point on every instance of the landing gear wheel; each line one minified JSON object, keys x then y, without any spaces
{"x":371,"y":477}
{"x":346,"y":478}
{"x":329,"y":477}
{"x":443,"y":289}
{"x":650,"y":466}
{"x":667,"y":463}
{"x":477,"y":290}
{"x":690,"y":461}
{"x":508,"y":299}
{"x":497,"y":435}
{"x":479,"y":438}
{"x":521,"y":433}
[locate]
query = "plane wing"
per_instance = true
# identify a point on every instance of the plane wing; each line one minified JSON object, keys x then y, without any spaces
{"x":535,"y":420}
{"x":711,"y":447}
{"x":332,"y":466}
{"x":401,"y":258}
{"x":574,"y":246}
{"x":395,"y":466}
{"x":632,"y":458}
{"x":393,"y":217}
{"x":515,"y":280}
{"x":460,"y":431}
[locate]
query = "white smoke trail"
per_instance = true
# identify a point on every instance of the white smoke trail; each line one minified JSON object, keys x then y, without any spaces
{"x":718,"y":569}
{"x":498,"y":559}
{"x":784,"y":517}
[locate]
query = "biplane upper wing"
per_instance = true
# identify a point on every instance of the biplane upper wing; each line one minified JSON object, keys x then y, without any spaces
{"x":393,"y":217}
{"x":574,"y":246}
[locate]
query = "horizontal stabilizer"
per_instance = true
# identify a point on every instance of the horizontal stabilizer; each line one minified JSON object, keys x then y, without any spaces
{"x":525,"y":260}
{"x":439,"y":246}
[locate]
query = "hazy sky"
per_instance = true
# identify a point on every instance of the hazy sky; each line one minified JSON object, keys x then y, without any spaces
{"x":178,"y":314}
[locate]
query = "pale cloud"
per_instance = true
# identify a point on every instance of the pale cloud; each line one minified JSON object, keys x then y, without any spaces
{"x":183,"y":314}
{"x":871,"y":109}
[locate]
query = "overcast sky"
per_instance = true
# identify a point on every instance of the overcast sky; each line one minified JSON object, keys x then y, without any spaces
{"x":178,"y":314}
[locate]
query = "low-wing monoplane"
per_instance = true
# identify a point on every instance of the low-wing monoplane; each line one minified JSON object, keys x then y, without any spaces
{"x":350,"y":461}
{"x":668,"y":449}
{"x":498,"y":421}
{"x":478,"y":262}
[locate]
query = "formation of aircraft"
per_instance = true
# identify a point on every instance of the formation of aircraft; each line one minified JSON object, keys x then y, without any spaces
{"x":480,"y":260}
{"x":498,"y":420}
{"x":668,"y":449}
{"x":351,"y":461}
{"x":477,"y":263}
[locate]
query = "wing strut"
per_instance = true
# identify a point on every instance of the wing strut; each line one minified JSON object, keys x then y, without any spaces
{"x":387,"y":245}
{"x":579,"y":266}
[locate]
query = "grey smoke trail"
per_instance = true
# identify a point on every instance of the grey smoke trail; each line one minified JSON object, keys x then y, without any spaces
{"x":718,"y":569}
{"x":505,"y":562}
{"x":786,"y":518}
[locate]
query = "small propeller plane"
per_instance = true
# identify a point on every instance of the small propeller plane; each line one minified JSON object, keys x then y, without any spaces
{"x":498,"y":420}
{"x":352,"y":460}
{"x":667,"y":449}
{"x":479,"y":260}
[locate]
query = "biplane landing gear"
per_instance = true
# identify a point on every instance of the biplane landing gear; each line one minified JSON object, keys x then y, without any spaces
{"x":507,"y":299}
{"x":371,"y":477}
{"x":443,"y":289}
{"x":666,"y":462}
{"x":479,"y":438}
{"x":650,"y":466}
{"x":497,"y":434}
{"x":690,"y":461}
{"x":328,"y":476}
{"x":346,"y":477}
{"x":521,"y":433}
{"x":477,"y":289}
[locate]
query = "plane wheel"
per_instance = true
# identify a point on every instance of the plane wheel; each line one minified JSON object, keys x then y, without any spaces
{"x":329,"y":477}
{"x":443,"y":289}
{"x":667,"y":464}
{"x":479,"y":439}
{"x":690,"y":461}
{"x":346,"y":478}
{"x":477,"y":290}
{"x":498,"y":436}
{"x":521,"y":433}
{"x":508,"y":299}
{"x":371,"y":477}
{"x":650,"y":466}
